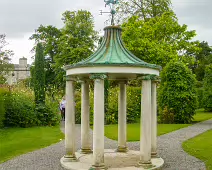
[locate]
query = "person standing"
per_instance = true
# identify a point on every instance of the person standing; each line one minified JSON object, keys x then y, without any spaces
{"x":62,"y":108}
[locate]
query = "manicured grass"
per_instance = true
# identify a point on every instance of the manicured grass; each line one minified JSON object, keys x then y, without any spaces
{"x":17,"y":141}
{"x":201,"y":147}
{"x":201,"y":115}
{"x":133,"y":130}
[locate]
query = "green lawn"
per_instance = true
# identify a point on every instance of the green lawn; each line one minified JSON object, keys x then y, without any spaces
{"x":201,"y":147}
{"x":17,"y":141}
{"x":202,"y":116}
{"x":133,"y":130}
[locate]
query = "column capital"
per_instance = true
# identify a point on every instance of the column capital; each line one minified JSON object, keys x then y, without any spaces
{"x":69,"y":78}
{"x":152,"y":77}
{"x":83,"y":80}
{"x":98,"y":76}
{"x":122,"y":81}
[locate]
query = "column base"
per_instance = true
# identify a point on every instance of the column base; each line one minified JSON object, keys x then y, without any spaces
{"x":154,"y":155}
{"x":86,"y":151}
{"x":122,"y":149}
{"x":70,"y":158}
{"x":97,"y":167}
{"x":145,"y":165}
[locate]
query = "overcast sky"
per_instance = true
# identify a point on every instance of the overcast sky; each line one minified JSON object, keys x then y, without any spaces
{"x":19,"y":18}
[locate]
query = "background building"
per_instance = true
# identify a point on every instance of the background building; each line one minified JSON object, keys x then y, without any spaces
{"x":21,"y":72}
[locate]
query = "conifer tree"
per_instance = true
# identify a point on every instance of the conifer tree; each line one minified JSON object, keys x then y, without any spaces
{"x":39,"y":75}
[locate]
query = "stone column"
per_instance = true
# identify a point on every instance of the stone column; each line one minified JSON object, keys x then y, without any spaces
{"x":122,"y":118}
{"x":98,"y":127}
{"x":154,"y":121}
{"x":85,"y":118}
{"x":70,"y":121}
{"x":145,"y":136}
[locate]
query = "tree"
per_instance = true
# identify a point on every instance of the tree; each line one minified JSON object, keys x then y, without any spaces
{"x":78,"y":37}
{"x":207,"y":93}
{"x":202,"y":59}
{"x":48,"y":36}
{"x":144,"y":9}
{"x":5,"y":55}
{"x":177,"y":98}
{"x":74,"y":42}
{"x":39,"y":76}
{"x":159,"y":40}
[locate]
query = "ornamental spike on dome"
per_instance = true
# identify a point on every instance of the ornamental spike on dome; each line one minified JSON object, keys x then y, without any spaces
{"x":111,"y":3}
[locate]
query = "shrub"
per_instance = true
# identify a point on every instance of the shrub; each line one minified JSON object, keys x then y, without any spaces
{"x":46,"y":116}
{"x":177,"y":94}
{"x":2,"y":110}
{"x":19,"y":111}
{"x":208,"y":88}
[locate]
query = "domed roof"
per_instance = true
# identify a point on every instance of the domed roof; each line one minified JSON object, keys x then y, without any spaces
{"x":112,"y":52}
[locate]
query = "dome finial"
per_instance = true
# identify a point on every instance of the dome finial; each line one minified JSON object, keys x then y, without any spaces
{"x":111,"y":3}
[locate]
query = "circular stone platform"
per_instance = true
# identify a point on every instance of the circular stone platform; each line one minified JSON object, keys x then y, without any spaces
{"x":113,"y":161}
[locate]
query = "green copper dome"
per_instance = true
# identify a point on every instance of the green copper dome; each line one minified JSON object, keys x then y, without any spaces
{"x":112,"y":52}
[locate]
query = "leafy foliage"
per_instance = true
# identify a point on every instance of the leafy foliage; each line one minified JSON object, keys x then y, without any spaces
{"x":111,"y":116}
{"x":208,"y":88}
{"x":45,"y":116}
{"x":2,"y":110}
{"x":39,"y":76}
{"x":5,"y":67}
{"x":48,"y":36}
{"x":202,"y":59}
{"x":78,"y":35}
{"x":19,"y":111}
{"x":72,"y":43}
{"x":159,"y":39}
{"x":177,"y":94}
{"x":143,"y":9}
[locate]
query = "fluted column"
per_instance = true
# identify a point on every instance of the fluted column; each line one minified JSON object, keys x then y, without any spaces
{"x":98,"y":127}
{"x":145,"y":125}
{"x":85,"y":118}
{"x":70,"y":121}
{"x":154,"y":121}
{"x":122,"y":118}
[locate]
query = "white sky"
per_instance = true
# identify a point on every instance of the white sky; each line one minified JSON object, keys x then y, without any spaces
{"x":19,"y":19}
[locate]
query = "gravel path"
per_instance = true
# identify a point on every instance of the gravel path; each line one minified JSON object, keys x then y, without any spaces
{"x":169,"y":148}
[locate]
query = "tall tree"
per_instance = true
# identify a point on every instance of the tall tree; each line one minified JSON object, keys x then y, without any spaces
{"x":77,"y":39}
{"x":144,"y":9}
{"x":48,"y":36}
{"x":74,"y":42}
{"x":159,"y":40}
{"x":39,"y":75}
